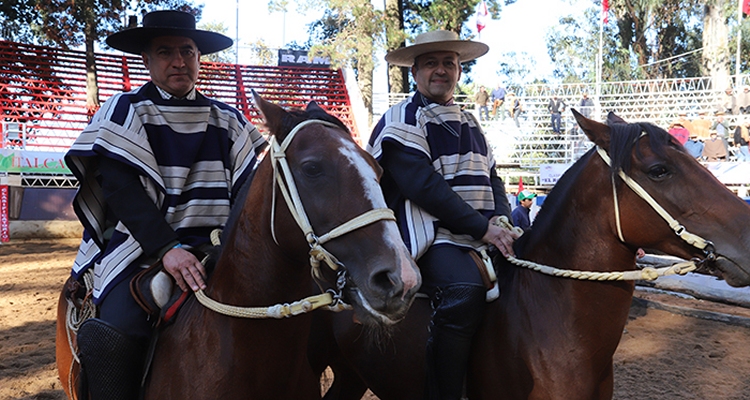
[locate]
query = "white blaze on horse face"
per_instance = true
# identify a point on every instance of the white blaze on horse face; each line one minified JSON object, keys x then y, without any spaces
{"x":375,"y":195}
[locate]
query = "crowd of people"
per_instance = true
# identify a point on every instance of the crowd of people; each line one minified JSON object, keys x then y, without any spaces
{"x":712,"y":138}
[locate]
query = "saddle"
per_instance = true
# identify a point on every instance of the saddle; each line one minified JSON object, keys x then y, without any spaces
{"x":156,"y":292}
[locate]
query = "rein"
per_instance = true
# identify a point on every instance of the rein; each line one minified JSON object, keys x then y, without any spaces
{"x":317,"y":252}
{"x":647,"y":273}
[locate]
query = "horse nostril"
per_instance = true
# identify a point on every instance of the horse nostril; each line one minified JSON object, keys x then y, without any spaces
{"x":385,"y":281}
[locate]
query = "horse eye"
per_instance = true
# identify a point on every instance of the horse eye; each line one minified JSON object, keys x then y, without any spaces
{"x":658,"y":172}
{"x":312,"y":169}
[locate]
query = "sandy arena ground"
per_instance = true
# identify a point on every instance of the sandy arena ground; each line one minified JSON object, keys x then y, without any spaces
{"x":662,"y":355}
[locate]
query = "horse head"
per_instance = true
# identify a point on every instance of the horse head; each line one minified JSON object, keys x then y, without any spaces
{"x":330,"y":188}
{"x":665,"y":200}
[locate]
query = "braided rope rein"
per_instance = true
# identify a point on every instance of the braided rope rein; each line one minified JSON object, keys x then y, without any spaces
{"x":278,"y":311}
{"x":74,"y":317}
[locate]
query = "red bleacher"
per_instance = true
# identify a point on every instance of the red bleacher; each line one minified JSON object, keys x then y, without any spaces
{"x":43,"y":91}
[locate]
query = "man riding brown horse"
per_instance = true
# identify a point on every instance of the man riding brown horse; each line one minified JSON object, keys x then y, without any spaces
{"x":440,"y":179}
{"x":159,"y":169}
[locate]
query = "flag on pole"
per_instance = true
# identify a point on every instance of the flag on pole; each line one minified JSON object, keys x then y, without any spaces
{"x":520,"y":185}
{"x":482,"y":16}
{"x":605,"y":10}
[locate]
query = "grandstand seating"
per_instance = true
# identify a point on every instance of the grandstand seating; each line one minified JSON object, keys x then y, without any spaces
{"x":43,"y":90}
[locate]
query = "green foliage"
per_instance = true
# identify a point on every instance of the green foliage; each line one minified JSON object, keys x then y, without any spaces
{"x":637,"y":39}
{"x":68,"y":23}
{"x":224,"y":56}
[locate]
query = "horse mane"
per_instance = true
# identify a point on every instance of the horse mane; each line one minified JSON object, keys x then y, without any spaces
{"x":296,"y":115}
{"x":623,"y":137}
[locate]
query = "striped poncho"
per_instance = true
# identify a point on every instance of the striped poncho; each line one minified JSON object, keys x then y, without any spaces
{"x":192,"y":156}
{"x":457,"y":149}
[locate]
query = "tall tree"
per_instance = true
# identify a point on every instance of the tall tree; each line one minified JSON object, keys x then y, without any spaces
{"x":716,"y":42}
{"x":646,"y":39}
{"x":349,"y":33}
{"x":67,"y":24}
{"x":424,"y":15}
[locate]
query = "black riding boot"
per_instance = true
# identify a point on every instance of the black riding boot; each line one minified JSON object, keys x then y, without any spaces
{"x":111,"y":362}
{"x":458,"y":313}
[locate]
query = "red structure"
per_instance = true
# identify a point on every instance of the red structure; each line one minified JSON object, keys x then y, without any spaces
{"x":43,"y":91}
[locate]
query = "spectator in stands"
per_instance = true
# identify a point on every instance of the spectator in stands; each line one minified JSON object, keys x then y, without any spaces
{"x":729,"y":102}
{"x":694,"y":146}
{"x":722,"y":128}
{"x":482,"y":99}
{"x":438,"y":200}
{"x":513,"y":104}
{"x":701,"y":125}
{"x":556,"y":107}
{"x":158,"y":169}
{"x":680,"y":133}
{"x":713,"y":148}
{"x":586,"y":105}
{"x":498,"y":98}
{"x":520,"y":214}
{"x":683,"y":120}
{"x":742,"y":140}
{"x":743,"y":100}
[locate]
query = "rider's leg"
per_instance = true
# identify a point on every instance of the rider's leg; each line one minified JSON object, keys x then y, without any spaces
{"x":459,"y":299}
{"x":113,"y":347}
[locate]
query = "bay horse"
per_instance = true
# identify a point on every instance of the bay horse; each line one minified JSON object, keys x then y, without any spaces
{"x":549,"y":337}
{"x":315,"y":187}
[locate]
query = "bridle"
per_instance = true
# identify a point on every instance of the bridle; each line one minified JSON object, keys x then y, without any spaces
{"x":647,"y":273}
{"x":283,"y":177}
{"x":692,"y":239}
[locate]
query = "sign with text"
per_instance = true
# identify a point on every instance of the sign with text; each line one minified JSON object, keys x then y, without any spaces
{"x":550,"y":173}
{"x":300,"y":58}
{"x":32,"y":161}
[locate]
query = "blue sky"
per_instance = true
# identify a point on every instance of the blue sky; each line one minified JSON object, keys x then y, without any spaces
{"x":521,"y":28}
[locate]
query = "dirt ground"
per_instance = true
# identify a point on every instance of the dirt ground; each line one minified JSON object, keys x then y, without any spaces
{"x":663,"y":354}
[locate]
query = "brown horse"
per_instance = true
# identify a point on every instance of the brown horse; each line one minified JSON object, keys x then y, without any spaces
{"x":550,"y":337}
{"x":330,"y":192}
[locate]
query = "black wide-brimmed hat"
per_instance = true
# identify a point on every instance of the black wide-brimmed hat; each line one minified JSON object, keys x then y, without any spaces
{"x":167,"y":23}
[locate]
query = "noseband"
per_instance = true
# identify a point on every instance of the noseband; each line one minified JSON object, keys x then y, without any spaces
{"x":692,"y":239}
{"x":330,"y":297}
{"x":289,"y":190}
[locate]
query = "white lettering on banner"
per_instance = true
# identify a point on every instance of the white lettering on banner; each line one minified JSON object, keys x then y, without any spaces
{"x":287,"y":58}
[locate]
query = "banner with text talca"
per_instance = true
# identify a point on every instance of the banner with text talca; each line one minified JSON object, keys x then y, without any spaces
{"x":32,"y":162}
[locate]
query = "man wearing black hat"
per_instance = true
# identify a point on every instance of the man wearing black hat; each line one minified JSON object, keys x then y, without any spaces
{"x":439,"y":177}
{"x":159,"y":169}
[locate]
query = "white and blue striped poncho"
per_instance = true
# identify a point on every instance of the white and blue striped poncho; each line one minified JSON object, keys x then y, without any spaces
{"x":192,"y":155}
{"x":455,"y":143}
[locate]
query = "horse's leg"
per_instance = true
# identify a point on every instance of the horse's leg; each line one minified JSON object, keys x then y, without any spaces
{"x":67,"y":367}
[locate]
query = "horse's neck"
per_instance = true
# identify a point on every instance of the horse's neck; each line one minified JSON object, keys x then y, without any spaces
{"x":253,"y":266}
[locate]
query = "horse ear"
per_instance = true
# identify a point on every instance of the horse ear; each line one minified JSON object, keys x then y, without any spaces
{"x":271,"y":113}
{"x":612,"y":118}
{"x":596,"y":131}
{"x":312,"y":106}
